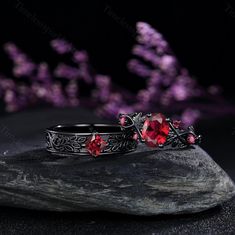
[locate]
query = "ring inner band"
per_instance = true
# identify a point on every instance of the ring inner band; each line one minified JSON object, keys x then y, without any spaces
{"x":86,"y":128}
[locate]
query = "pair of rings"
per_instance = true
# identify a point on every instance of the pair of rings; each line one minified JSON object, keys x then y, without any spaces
{"x":153,"y":129}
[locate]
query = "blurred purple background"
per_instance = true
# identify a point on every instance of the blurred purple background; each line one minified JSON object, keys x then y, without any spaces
{"x":101,"y":56}
{"x":175,"y":57}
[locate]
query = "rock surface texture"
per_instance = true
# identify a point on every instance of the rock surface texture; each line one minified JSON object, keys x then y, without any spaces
{"x":141,"y":183}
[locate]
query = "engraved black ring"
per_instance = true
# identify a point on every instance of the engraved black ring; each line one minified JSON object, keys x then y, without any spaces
{"x":89,"y":139}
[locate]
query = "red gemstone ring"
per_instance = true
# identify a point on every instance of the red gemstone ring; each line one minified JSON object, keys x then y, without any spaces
{"x":155,"y":130}
{"x":89,"y":139}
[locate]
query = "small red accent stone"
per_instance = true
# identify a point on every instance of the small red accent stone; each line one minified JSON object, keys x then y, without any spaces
{"x":135,"y":136}
{"x":122,"y":121}
{"x":191,"y":139}
{"x":95,"y":145}
{"x":176,"y":124}
{"x":155,"y":130}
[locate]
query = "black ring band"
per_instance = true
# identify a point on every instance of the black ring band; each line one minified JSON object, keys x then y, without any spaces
{"x":74,"y":139}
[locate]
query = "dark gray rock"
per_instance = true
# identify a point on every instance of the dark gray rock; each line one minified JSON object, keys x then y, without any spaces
{"x":147,"y":182}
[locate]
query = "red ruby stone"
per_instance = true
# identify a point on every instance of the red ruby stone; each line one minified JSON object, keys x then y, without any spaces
{"x":122,"y":121}
{"x":155,"y":130}
{"x":95,"y":145}
{"x":176,"y":124}
{"x":191,"y":139}
{"x":135,"y":136}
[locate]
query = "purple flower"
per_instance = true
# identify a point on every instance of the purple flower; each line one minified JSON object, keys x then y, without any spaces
{"x":168,"y":64}
{"x":66,"y":71}
{"x":190,"y":116}
{"x":138,"y":68}
{"x":43,"y":73}
{"x":80,"y":57}
{"x":24,"y":69}
{"x":61,"y":46}
{"x":72,"y":93}
{"x":165,"y":82}
{"x":23,"y":66}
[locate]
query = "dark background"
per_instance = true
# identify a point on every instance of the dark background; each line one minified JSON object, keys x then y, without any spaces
{"x":201,"y":33}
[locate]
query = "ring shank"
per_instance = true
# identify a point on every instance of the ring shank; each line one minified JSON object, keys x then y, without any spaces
{"x":72,"y":139}
{"x":86,"y":129}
